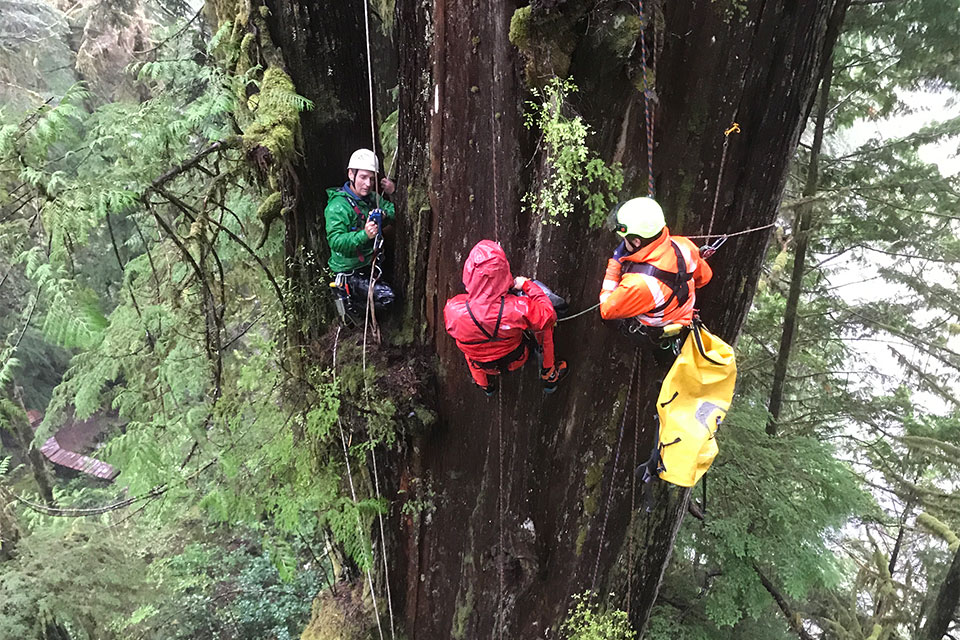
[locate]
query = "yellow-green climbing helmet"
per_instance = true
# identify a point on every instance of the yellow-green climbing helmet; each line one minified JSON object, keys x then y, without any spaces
{"x":640,"y":217}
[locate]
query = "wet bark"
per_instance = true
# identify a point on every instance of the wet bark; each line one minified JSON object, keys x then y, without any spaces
{"x":551,"y":462}
{"x":948,"y":597}
{"x":22,"y":432}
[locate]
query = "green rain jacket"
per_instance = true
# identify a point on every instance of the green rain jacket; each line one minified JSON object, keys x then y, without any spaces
{"x":346,"y":213}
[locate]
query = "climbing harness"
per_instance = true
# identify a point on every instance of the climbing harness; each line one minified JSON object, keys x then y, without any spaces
{"x":678,"y":282}
{"x":490,"y":337}
{"x":647,"y":99}
{"x":734,"y":128}
{"x":616,"y":464}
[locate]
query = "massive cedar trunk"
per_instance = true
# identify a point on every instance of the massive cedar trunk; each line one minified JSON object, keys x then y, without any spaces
{"x":465,"y":162}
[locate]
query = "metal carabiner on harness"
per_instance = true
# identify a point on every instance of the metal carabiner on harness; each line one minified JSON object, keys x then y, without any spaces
{"x":708,"y":250}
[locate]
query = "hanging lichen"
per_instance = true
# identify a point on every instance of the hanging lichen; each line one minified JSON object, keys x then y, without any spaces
{"x":939,"y":529}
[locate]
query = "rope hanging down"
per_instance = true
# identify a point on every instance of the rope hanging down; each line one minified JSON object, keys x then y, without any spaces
{"x":500,"y":550}
{"x":616,"y":463}
{"x":734,"y":128}
{"x":647,"y":99}
{"x":370,"y":315}
{"x":353,"y":494}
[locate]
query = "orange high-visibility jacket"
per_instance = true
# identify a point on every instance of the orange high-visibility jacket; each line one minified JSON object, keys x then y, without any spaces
{"x":655,"y":296}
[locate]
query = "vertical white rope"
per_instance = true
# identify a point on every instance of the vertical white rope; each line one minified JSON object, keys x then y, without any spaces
{"x":353,"y":493}
{"x":370,"y":318}
{"x":501,"y":555}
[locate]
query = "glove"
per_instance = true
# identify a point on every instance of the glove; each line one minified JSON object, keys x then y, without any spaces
{"x":706,"y":251}
{"x":620,"y":251}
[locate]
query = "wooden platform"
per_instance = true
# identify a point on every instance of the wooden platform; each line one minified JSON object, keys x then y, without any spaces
{"x":52,"y":450}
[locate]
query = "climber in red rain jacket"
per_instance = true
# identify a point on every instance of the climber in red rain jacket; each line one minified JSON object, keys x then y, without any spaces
{"x":496,"y":328}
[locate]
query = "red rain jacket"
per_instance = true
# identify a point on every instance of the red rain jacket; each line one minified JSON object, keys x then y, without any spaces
{"x":487,"y":278}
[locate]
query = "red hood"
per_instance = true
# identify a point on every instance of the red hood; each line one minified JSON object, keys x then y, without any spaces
{"x":486,"y":273}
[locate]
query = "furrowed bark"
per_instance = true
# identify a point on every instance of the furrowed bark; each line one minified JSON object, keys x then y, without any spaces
{"x":469,"y":161}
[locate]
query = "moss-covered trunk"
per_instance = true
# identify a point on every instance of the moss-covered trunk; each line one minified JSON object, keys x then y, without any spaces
{"x":465,"y":162}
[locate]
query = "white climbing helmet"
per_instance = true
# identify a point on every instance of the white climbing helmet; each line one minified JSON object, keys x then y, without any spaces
{"x":640,"y":217}
{"x":364,"y":160}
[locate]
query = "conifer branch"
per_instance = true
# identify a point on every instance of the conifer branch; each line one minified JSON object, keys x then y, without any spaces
{"x":226,"y":143}
{"x":793,"y":619}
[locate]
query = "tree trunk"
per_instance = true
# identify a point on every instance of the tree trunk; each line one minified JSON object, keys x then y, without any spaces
{"x":22,"y":432}
{"x":947,"y":600}
{"x":802,"y":229}
{"x":465,"y":161}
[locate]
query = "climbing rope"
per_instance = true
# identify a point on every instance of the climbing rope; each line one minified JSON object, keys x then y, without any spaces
{"x":734,"y":128}
{"x":647,"y":99}
{"x":633,"y":495}
{"x":493,"y":150}
{"x":735,"y":233}
{"x":370,"y":318}
{"x":353,"y":494}
{"x":579,"y":313}
{"x":613,"y":475}
{"x":500,"y":551}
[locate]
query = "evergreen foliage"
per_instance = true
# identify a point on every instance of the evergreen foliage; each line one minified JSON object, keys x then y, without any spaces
{"x":572,"y":173}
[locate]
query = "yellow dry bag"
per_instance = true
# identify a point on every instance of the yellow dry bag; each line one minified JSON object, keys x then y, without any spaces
{"x":694,"y":399}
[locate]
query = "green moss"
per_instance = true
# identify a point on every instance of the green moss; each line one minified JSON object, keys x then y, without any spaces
{"x":464,"y":607}
{"x":270,"y":209}
{"x":344,"y":616}
{"x":244,"y":60}
{"x":939,"y":529}
{"x":593,"y":475}
{"x":418,"y":203}
{"x":276,"y":127}
{"x":264,"y":11}
{"x":682,"y":201}
{"x":581,"y":540}
{"x":623,"y":34}
{"x":546,"y":40}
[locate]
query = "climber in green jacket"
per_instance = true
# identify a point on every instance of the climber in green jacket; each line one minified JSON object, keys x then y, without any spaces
{"x":355,"y":215}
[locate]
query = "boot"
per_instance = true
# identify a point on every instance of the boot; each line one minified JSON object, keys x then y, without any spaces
{"x":552,"y":377}
{"x":491,"y":389}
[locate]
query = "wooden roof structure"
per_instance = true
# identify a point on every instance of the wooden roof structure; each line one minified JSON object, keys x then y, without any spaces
{"x":72,"y":436}
{"x":52,"y":450}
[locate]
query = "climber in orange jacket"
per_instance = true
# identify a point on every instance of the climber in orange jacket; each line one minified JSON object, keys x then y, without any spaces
{"x":652,"y":277}
{"x":495,"y":328}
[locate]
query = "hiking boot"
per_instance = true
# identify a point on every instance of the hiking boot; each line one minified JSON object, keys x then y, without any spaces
{"x":490,"y":390}
{"x":552,"y":377}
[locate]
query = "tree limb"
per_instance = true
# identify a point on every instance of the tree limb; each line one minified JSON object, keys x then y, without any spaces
{"x":793,"y":619}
